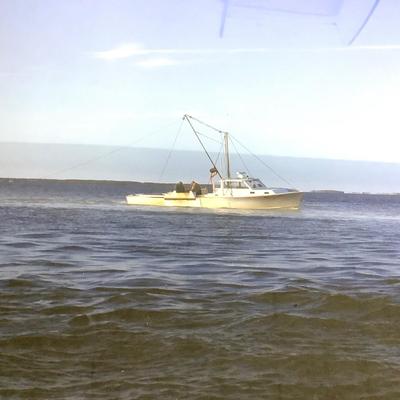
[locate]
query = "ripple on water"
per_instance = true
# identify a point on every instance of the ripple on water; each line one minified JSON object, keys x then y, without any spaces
{"x":100,"y":302}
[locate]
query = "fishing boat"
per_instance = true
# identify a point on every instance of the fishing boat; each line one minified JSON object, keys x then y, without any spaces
{"x":239,"y":192}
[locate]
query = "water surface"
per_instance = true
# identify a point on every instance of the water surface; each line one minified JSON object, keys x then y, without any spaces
{"x":99,"y":300}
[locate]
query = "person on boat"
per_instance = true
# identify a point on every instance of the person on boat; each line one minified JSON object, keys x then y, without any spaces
{"x":195,"y":188}
{"x":180,"y":187}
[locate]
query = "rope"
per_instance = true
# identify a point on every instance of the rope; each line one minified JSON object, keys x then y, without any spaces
{"x":241,"y":159}
{"x":170,"y":151}
{"x":208,"y":137}
{"x":221,"y":146}
{"x":246,"y":148}
{"x":99,"y":157}
{"x":220,"y":151}
{"x":186,"y":117}
{"x":262,"y":162}
{"x":203,"y":123}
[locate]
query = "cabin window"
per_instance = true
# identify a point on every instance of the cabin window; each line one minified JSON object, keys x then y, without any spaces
{"x":236,"y":185}
{"x":256,"y":184}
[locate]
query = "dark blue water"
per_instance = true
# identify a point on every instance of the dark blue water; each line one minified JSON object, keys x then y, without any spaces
{"x":99,"y":300}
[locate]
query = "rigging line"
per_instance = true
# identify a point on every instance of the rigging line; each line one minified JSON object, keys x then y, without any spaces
{"x":202,"y":145}
{"x":361,"y":28}
{"x":99,"y":157}
{"x":241,"y":159}
{"x":218,"y":155}
{"x":209,"y":137}
{"x":217,"y":160}
{"x":220,"y":152}
{"x":203,"y":123}
{"x":220,"y":142}
{"x":170,"y":151}
{"x":262,"y":162}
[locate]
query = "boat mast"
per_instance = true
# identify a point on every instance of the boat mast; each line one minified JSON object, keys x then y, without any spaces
{"x":226,"y":142}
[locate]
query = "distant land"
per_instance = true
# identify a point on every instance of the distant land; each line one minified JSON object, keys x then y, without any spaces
{"x":93,"y":162}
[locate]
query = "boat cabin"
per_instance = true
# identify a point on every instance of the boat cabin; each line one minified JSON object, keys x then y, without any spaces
{"x":243,"y":185}
{"x":239,"y":184}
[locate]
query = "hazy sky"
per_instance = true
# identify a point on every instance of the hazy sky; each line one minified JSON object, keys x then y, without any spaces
{"x":282,"y":76}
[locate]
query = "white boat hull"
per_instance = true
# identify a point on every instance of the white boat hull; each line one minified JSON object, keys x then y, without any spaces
{"x":288,"y":201}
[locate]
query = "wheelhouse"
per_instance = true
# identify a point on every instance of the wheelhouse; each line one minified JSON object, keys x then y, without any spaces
{"x":240,"y":183}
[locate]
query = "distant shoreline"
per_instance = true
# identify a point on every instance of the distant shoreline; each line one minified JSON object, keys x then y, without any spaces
{"x":168,"y":185}
{"x":106,"y":181}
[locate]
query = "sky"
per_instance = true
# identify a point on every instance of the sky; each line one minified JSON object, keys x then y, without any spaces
{"x":302,"y":78}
